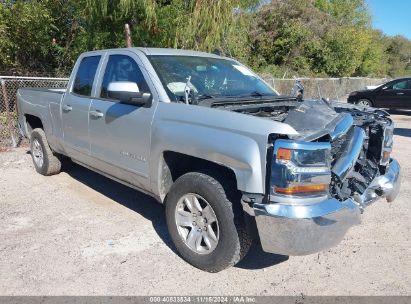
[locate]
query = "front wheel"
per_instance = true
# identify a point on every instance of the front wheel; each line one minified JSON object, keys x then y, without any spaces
{"x":364,"y":102}
{"x":206,"y":227}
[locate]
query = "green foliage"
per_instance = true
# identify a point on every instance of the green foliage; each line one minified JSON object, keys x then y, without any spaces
{"x":283,"y":37}
{"x":346,"y":12}
{"x":399,"y":55}
{"x":26,"y":27}
{"x":313,"y":37}
{"x":5,"y":42}
{"x":325,"y":37}
{"x":374,"y":61}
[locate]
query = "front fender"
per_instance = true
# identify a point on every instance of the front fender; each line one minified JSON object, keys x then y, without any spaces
{"x":237,"y":152}
{"x":234,"y":140}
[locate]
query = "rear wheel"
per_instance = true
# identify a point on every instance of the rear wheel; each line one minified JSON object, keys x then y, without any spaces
{"x":364,"y":102}
{"x":44,"y":160}
{"x":207,"y":228}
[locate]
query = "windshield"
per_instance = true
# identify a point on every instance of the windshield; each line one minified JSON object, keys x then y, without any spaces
{"x":207,"y":77}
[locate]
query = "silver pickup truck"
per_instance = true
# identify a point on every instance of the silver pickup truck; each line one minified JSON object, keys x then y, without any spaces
{"x":231,"y":159}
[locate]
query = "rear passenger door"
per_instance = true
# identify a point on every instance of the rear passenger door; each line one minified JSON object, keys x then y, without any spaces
{"x":120,"y":134}
{"x":75,"y":107}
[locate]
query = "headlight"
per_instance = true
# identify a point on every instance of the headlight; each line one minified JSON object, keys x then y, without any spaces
{"x":353,"y":93}
{"x":387,"y":144}
{"x":300,"y":169}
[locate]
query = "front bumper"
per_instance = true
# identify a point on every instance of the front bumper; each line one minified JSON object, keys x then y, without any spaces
{"x":305,"y":229}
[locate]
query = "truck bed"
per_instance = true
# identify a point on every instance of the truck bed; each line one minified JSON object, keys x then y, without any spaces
{"x":40,"y":91}
{"x":40,"y":102}
{"x":41,"y":96}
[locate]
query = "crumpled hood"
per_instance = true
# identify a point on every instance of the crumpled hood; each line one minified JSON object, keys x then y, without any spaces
{"x":313,"y":119}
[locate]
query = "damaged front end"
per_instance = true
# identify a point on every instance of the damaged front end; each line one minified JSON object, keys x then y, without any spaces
{"x":362,"y":158}
{"x":322,"y":178}
{"x":361,"y":143}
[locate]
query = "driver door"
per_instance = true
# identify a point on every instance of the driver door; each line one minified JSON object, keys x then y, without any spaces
{"x":394,"y":95}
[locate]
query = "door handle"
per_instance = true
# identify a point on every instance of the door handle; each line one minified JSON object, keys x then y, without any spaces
{"x":67,"y":108}
{"x":96,"y":114}
{"x":400,"y":93}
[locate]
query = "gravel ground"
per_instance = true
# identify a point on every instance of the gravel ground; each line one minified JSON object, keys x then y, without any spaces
{"x":78,"y":233}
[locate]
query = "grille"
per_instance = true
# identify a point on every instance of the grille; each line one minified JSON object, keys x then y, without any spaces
{"x":365,"y":168}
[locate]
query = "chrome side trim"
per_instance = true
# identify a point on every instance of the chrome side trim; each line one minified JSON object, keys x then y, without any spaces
{"x":348,"y":159}
{"x":342,"y":127}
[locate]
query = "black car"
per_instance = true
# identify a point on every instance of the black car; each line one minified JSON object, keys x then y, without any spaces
{"x":393,"y":94}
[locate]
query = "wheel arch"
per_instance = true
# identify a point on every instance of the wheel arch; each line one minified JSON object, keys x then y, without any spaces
{"x":173,"y":164}
{"x":32,"y":122}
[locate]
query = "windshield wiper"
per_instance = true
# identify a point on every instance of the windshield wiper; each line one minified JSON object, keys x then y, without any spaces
{"x":257,"y":94}
{"x":205,"y":96}
{"x":252,"y":94}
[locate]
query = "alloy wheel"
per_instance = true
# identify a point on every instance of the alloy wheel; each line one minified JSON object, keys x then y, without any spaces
{"x":197,"y":223}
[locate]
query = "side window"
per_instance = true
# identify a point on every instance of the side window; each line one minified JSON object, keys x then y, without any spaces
{"x":83,"y":83}
{"x":122,"y":68}
{"x":401,"y":85}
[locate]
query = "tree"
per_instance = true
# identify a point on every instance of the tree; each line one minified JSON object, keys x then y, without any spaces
{"x":89,"y":25}
{"x":346,"y":12}
{"x":374,"y":61}
{"x":398,"y":51}
{"x":5,"y":42}
{"x":26,"y":28}
{"x":320,"y":37}
{"x":282,"y":37}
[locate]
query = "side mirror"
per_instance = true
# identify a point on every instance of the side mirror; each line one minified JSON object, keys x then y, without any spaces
{"x":127,"y":92}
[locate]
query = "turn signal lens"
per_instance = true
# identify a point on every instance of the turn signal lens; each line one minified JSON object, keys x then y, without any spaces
{"x":302,"y":189}
{"x":386,"y":156}
{"x":284,"y":154}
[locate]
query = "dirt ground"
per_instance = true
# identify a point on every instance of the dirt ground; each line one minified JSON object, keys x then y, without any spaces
{"x":78,"y":233}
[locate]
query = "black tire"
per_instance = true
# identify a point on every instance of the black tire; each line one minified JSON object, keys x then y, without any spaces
{"x":234,"y":240}
{"x":364,"y":102}
{"x":66,"y":162}
{"x":51,"y":163}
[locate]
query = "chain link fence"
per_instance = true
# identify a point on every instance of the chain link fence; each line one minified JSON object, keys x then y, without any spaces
{"x":329,"y":88}
{"x":9,"y":134}
{"x":315,"y":88}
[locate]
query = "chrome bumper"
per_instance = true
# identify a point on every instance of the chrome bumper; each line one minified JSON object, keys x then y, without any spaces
{"x":305,"y":229}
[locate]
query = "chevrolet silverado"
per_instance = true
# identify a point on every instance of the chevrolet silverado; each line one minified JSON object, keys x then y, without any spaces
{"x":231,"y":159}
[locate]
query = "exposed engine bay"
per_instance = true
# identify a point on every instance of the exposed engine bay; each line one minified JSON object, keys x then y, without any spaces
{"x":361,"y":138}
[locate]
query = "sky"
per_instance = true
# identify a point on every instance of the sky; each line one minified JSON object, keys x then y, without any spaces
{"x":392,"y":17}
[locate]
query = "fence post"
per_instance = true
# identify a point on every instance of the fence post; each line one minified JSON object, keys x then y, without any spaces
{"x":335,"y":90}
{"x":8,"y":113}
{"x":319,"y":90}
{"x":127,"y":33}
